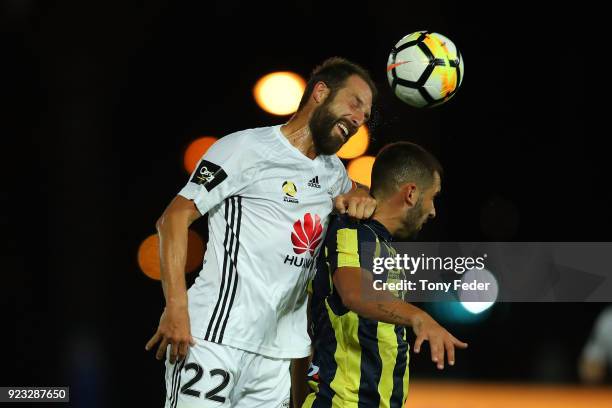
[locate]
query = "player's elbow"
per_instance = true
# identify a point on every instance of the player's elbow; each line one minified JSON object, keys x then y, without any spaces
{"x":164,"y":221}
{"x":355,"y":302}
{"x":169,"y":221}
{"x":351,"y":300}
{"x":159,"y":223}
{"x":179,"y":214}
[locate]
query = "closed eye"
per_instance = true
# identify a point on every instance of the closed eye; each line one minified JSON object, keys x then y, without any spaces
{"x":360,"y":103}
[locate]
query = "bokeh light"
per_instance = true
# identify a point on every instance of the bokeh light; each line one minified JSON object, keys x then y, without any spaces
{"x":148,"y":254}
{"x":454,"y":312}
{"x":357,"y":144}
{"x":476,"y":307}
{"x":477,"y":302}
{"x":279,"y":93}
{"x":195,"y":151}
{"x":360,"y":169}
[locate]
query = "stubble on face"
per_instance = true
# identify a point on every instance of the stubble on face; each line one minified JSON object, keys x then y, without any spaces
{"x":413,"y":221}
{"x":322,"y":125}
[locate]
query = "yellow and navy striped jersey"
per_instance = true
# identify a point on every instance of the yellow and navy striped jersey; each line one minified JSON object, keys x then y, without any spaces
{"x":357,"y":362}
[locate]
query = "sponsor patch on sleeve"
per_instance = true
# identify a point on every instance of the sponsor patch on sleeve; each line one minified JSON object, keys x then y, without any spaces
{"x":208,"y":175}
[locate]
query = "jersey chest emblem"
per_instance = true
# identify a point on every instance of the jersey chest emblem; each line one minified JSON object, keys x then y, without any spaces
{"x":290,"y":192}
{"x":306,"y":234}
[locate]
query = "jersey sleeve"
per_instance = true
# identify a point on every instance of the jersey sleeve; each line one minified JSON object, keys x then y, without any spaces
{"x":342,"y":184}
{"x":344,"y":244}
{"x":346,"y":182}
{"x":344,"y":250}
{"x":221,"y":173}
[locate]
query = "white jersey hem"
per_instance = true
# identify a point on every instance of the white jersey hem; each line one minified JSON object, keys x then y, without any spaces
{"x":266,"y":351}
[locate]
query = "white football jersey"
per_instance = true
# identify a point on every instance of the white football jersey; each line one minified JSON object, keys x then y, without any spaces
{"x":268,"y":206}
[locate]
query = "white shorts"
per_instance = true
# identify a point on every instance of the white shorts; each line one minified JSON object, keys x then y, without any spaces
{"x":214,"y":375}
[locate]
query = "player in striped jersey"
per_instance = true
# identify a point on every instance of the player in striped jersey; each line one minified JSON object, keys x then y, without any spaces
{"x":361,"y":350}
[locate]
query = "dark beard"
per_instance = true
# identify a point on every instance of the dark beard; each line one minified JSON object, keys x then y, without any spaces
{"x":411,"y":226}
{"x":321,"y":126}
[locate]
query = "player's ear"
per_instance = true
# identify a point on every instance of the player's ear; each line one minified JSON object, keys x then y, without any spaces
{"x":320,"y":92}
{"x":410,"y":194}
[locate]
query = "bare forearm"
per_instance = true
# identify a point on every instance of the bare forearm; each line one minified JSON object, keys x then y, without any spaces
{"x":355,"y":287}
{"x":173,"y":255}
{"x":299,"y":385}
{"x":388,"y":309}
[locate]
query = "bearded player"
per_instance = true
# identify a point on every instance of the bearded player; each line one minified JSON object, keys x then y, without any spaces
{"x":268,"y":193}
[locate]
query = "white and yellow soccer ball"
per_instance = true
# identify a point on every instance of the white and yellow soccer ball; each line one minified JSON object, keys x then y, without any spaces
{"x":425,"y":69}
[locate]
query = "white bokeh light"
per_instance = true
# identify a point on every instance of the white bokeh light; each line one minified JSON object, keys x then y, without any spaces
{"x":478,"y":301}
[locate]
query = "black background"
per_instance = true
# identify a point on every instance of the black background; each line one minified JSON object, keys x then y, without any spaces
{"x":103,"y":98}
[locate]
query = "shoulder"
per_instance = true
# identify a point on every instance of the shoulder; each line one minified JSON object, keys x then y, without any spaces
{"x":245,"y":146}
{"x":357,"y":229}
{"x":333,"y":163}
{"x":339,"y":180}
{"x":247,"y":137}
{"x":340,"y":221}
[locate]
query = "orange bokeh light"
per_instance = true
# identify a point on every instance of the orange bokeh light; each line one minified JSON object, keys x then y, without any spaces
{"x":357,"y":144}
{"x":195,"y":151}
{"x":148,"y":254}
{"x":279,"y":93}
{"x":360,"y":169}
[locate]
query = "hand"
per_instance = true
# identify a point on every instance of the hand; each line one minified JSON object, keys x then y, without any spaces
{"x":174,"y":329}
{"x":439,"y":339}
{"x":357,"y":203}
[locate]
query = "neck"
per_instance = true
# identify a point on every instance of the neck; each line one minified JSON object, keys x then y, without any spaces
{"x":388,"y":217}
{"x":297,"y":132}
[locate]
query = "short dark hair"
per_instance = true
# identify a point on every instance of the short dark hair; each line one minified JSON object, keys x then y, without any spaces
{"x":400,"y":163}
{"x":334,"y":72}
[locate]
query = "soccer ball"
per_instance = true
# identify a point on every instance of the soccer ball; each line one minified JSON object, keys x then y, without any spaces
{"x":425,"y":69}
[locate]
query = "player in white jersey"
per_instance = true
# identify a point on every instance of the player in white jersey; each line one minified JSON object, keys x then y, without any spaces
{"x":268,"y":193}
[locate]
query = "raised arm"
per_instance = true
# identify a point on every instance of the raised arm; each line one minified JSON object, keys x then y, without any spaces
{"x":354,"y":285}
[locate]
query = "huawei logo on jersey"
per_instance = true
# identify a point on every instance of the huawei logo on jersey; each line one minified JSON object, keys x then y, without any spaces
{"x":306,"y":235}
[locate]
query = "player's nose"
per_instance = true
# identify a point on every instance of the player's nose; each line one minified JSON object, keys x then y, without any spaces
{"x":357,"y":118}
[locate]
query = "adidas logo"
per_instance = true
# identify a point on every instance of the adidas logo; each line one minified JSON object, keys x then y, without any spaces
{"x":314,"y":182}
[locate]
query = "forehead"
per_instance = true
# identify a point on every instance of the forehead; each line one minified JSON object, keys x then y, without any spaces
{"x":356,"y":86}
